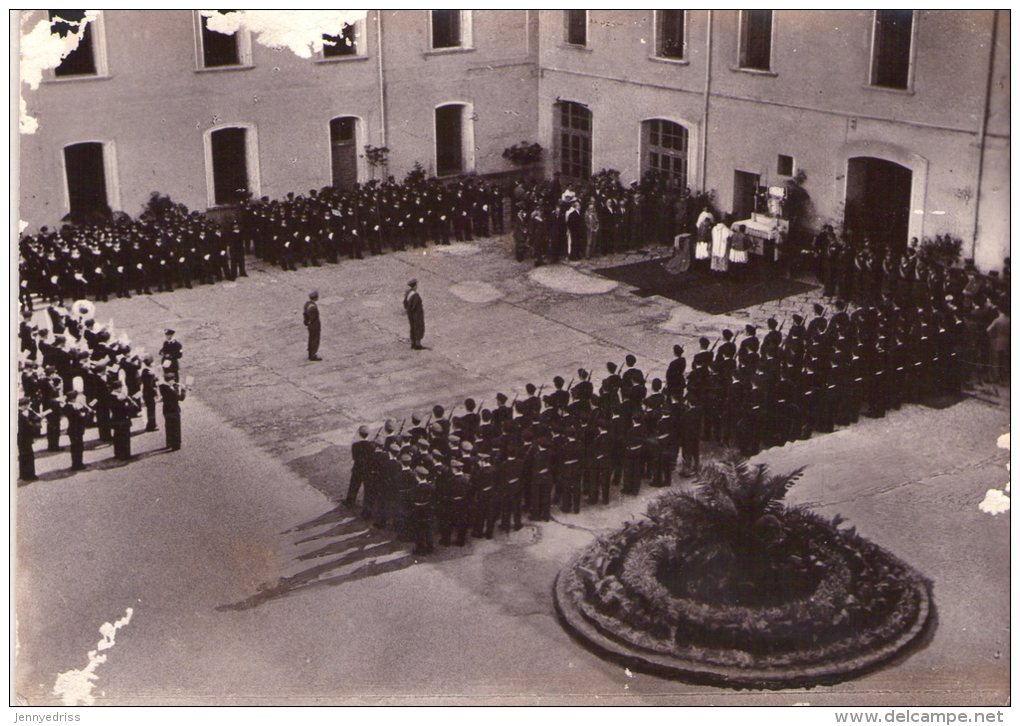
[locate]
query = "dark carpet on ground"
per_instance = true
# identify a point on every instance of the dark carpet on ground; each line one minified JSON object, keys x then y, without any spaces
{"x":701,"y":290}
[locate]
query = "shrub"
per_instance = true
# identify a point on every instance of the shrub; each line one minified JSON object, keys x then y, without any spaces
{"x":523,"y":153}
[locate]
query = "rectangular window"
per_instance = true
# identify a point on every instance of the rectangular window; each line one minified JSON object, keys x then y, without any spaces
{"x":784,"y":165}
{"x":219,"y":49}
{"x":756,"y":39}
{"x":449,"y":140}
{"x":446,"y":29}
{"x":345,"y":43}
{"x":670,"y":32}
{"x":576,"y":27}
{"x":890,"y":53}
{"x":230,"y":165}
{"x":82,"y":60}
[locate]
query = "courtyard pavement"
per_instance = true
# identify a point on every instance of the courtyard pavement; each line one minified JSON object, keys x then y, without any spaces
{"x":248,"y":585}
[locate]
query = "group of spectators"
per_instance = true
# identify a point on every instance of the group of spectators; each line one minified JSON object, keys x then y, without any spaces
{"x":72,"y":370}
{"x":599,"y":216}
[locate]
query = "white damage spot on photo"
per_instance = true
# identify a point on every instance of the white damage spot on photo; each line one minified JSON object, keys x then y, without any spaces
{"x":996,"y":501}
{"x":567,"y":279}
{"x":74,"y":687}
{"x":473,"y":291}
{"x":42,"y":50}
{"x":299,"y":30}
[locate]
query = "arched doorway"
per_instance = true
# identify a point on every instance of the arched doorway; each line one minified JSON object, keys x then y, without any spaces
{"x":454,"y":138}
{"x":878,"y":195}
{"x":85,"y":170}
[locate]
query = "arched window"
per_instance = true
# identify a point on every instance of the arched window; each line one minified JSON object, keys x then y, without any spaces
{"x":343,"y":146}
{"x":573,"y":139}
{"x":664,"y":149}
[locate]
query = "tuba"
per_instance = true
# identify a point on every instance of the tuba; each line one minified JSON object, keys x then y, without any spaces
{"x":83,"y":309}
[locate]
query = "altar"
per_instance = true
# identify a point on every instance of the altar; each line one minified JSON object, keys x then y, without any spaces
{"x":767,"y":230}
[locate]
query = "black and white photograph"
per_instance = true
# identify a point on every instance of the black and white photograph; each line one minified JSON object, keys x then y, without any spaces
{"x":510,"y":357}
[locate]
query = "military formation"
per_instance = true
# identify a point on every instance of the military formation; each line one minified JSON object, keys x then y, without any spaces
{"x":869,"y":274}
{"x":170,"y":247}
{"x":74,"y":372}
{"x":572,"y":444}
{"x":166,"y":248}
{"x":329,"y":224}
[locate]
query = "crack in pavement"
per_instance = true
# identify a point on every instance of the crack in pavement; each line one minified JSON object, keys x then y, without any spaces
{"x":988,"y":461}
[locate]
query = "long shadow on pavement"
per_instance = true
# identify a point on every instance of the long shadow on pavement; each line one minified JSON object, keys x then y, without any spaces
{"x":349,"y":544}
{"x":102,"y":465}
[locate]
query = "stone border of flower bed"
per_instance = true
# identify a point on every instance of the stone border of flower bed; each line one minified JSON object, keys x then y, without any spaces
{"x":568,"y":589}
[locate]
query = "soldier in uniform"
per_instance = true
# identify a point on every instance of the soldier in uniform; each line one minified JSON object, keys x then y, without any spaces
{"x":172,"y":394}
{"x":511,"y":482}
{"x":361,"y":453}
{"x":691,"y":438}
{"x":486,"y":505}
{"x":423,"y":511}
{"x":79,"y":417}
{"x":415,"y":314}
{"x":51,"y":389}
{"x":570,"y":473}
{"x":172,"y":351}
{"x":460,"y":502}
{"x":149,"y":384}
{"x":235,"y":245}
{"x":28,"y":429}
{"x":122,"y":409}
{"x":314,"y":325}
{"x":539,"y":467}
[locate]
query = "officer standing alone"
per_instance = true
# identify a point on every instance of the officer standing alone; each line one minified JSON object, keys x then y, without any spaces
{"x":415,"y":314}
{"x":311,"y":316}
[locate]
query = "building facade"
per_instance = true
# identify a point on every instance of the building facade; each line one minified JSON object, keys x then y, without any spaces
{"x":891,"y":120}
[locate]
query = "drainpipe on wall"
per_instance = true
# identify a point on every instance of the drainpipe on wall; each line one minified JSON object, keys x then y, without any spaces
{"x":983,"y":133}
{"x":704,"y":118}
{"x":382,"y":81}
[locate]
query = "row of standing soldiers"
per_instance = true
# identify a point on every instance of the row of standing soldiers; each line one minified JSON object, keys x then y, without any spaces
{"x":169,"y":247}
{"x":153,"y":253}
{"x":468,"y":474}
{"x":331,"y":223}
{"x":81,"y":376}
{"x":820,"y":373}
{"x":864,"y":273}
{"x":485,"y":468}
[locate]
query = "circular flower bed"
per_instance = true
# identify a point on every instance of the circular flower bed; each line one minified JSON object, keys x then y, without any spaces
{"x":726,"y":585}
